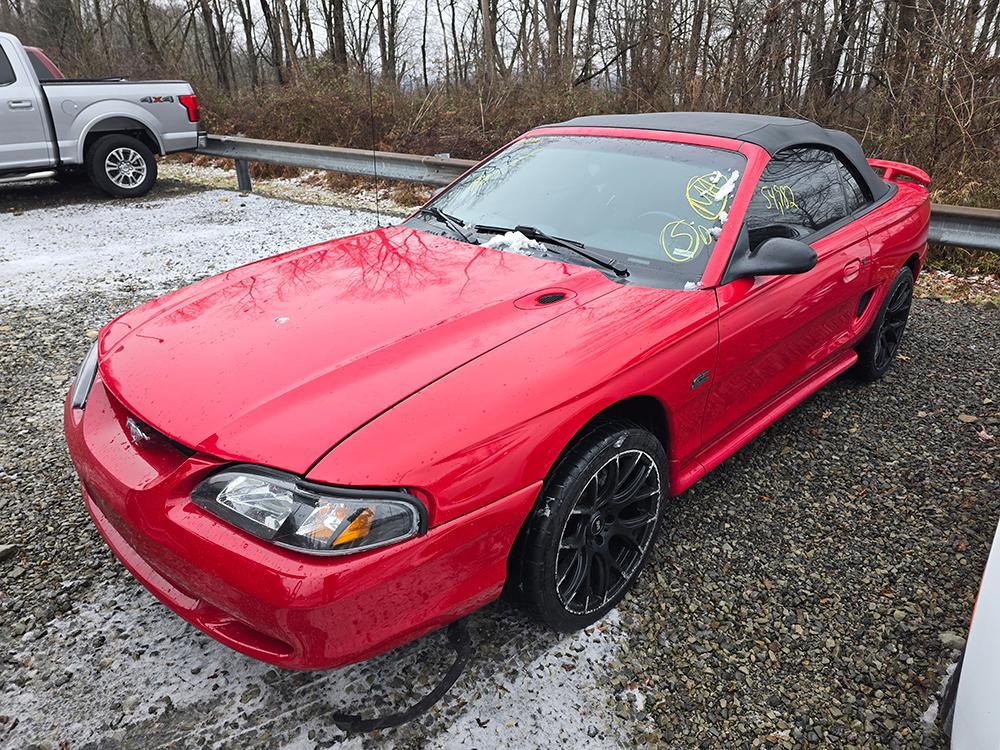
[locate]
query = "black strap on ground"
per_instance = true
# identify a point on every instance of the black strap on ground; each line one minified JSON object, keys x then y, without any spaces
{"x":458,"y":638}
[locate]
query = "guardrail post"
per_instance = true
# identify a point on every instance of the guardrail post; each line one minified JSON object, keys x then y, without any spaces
{"x":243,"y":181}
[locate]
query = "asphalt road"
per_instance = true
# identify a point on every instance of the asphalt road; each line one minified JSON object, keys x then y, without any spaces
{"x":808,"y":593}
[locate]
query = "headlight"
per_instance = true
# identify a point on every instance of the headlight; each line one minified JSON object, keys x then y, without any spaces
{"x":84,"y":379}
{"x":308,"y":517}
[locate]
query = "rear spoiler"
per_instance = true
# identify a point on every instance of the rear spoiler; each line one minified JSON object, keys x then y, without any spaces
{"x":893,"y":169}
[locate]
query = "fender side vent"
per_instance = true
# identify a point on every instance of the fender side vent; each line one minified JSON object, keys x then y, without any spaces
{"x":863,"y":302}
{"x":550,"y":298}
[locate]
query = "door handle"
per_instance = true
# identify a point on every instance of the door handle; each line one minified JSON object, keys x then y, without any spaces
{"x":23,"y":104}
{"x":852,"y":269}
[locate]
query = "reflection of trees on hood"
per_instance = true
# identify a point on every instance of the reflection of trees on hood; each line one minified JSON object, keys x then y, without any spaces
{"x":387,"y":263}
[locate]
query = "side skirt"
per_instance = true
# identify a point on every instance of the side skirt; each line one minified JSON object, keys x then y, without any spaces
{"x":725,"y":446}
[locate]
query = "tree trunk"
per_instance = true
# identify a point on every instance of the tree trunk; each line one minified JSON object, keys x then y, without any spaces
{"x":489,"y":63}
{"x":214,"y":50}
{"x":274,"y":36}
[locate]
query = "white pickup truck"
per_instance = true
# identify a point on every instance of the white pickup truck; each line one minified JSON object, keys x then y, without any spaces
{"x":111,"y":129}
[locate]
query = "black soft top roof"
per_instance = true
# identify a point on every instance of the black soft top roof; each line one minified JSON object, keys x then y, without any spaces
{"x":770,"y":133}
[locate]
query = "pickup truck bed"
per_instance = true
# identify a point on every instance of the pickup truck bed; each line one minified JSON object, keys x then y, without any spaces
{"x":78,"y":106}
{"x":111,"y":128}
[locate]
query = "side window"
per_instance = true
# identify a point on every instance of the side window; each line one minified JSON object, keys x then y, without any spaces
{"x":6,"y":71}
{"x":38,"y":66}
{"x":799,"y":192}
{"x":855,"y":194}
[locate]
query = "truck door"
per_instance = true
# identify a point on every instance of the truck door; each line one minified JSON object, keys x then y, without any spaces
{"x":24,"y":142}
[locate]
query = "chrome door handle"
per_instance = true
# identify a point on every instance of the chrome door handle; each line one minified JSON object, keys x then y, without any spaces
{"x":23,"y":104}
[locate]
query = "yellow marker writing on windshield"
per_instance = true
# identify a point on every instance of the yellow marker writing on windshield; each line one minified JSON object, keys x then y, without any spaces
{"x":702,"y":193}
{"x":681,"y":241}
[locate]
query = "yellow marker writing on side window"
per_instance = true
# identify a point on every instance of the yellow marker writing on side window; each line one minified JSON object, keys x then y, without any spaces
{"x":779,"y":198}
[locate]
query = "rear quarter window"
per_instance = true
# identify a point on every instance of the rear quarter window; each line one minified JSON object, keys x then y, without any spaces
{"x":6,"y":71}
{"x":43,"y":73}
{"x":853,"y":192}
{"x":800,"y":187}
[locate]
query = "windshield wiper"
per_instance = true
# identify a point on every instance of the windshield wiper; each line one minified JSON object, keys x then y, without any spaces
{"x":452,"y":222}
{"x":533,"y":233}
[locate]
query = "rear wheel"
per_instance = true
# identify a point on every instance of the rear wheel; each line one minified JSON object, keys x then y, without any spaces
{"x":593,"y":527}
{"x":879,"y":347}
{"x":121,"y":166}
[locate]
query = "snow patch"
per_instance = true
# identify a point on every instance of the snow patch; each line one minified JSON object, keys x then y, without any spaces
{"x":135,"y":667}
{"x":929,"y":716}
{"x":728,"y":186}
{"x":156,"y":244}
{"x":636,"y":697}
{"x":515,"y":242}
{"x":558,"y":700}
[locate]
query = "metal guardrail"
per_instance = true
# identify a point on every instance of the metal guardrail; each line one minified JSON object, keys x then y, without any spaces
{"x":430,"y":170}
{"x":958,"y":226}
{"x":963,"y":226}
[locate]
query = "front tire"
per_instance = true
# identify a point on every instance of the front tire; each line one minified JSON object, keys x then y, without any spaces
{"x":878,"y":348}
{"x":121,"y":166}
{"x":593,"y":527}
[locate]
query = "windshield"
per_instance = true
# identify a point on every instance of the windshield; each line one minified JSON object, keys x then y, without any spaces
{"x":655,"y":206}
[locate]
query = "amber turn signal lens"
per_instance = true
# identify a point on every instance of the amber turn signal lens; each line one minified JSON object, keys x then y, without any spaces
{"x":358,"y":528}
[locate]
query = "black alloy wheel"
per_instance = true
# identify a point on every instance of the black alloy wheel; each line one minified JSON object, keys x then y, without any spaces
{"x":607,"y":532}
{"x":879,"y":347}
{"x":893,"y":323}
{"x":593,"y":527}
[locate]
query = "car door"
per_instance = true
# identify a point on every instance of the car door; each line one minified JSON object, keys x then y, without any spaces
{"x":775,"y":331}
{"x":23,"y":138}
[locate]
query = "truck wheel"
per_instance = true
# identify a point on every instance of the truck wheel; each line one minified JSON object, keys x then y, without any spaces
{"x":878,"y":348}
{"x":593,"y":527}
{"x":121,"y":166}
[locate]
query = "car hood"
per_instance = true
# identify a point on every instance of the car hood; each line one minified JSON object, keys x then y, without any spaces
{"x":278,"y":361}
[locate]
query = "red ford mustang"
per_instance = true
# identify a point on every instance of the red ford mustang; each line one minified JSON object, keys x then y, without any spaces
{"x":324,"y":454}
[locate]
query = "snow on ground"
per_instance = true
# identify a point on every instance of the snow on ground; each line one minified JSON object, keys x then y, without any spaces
{"x":130,"y":671}
{"x":162,"y":242}
{"x":556,"y":700}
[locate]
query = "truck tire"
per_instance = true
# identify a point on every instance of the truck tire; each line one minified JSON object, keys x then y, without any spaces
{"x":121,"y":166}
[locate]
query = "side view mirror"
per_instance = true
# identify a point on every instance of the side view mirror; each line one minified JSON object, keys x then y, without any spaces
{"x":775,"y":257}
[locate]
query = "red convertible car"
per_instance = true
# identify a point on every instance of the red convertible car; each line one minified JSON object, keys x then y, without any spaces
{"x":324,"y":454}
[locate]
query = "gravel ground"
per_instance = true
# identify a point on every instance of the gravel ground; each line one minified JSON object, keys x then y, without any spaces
{"x":808,"y":593}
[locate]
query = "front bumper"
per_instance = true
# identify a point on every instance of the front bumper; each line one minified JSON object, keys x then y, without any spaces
{"x":283,"y":607}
